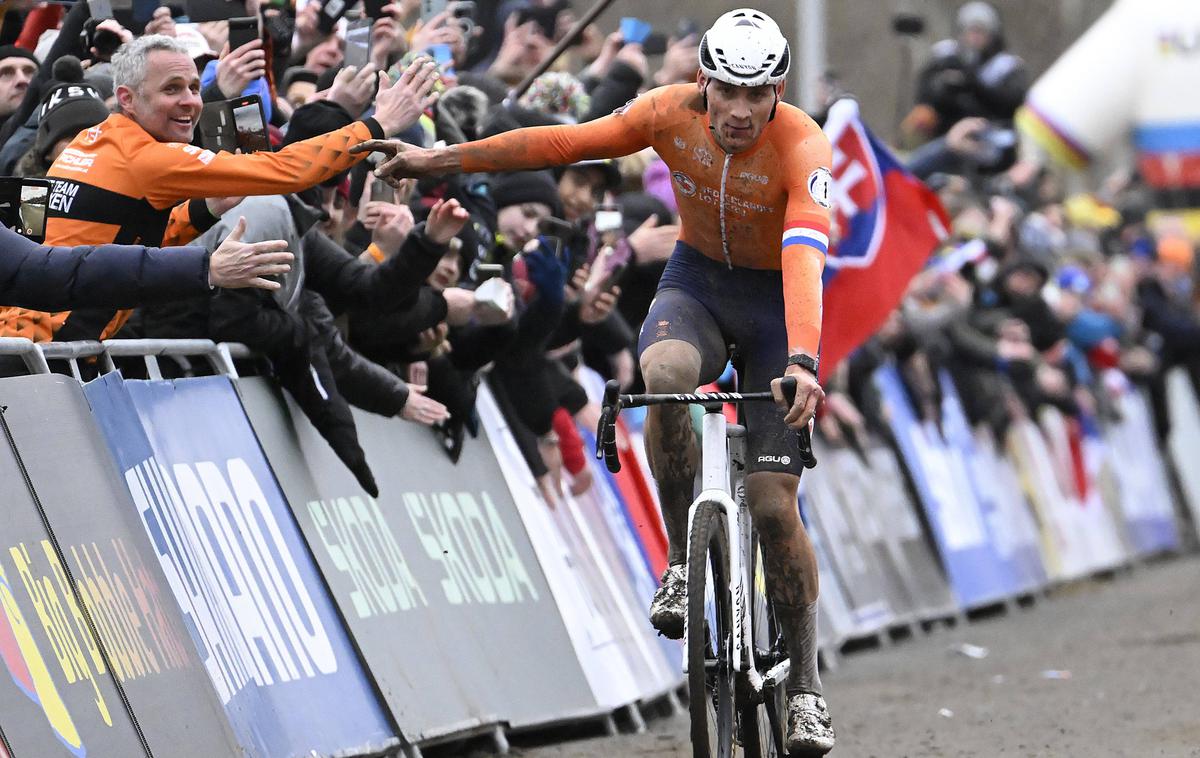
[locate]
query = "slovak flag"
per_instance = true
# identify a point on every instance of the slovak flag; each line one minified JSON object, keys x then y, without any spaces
{"x":886,"y":223}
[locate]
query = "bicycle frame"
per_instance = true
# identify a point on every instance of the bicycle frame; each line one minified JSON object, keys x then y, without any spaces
{"x":720,"y":483}
{"x":723,"y":465}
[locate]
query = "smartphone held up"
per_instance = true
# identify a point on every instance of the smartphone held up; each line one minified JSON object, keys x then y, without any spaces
{"x":23,"y":204}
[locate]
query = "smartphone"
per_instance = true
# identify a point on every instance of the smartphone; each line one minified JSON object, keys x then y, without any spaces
{"x":216,"y":128}
{"x":242,"y":31}
{"x":100,"y":9}
{"x":250,"y":124}
{"x":213,"y":10}
{"x":332,"y":12}
{"x":443,"y":56}
{"x":374,"y":8}
{"x":23,"y":206}
{"x":143,"y":11}
{"x":908,"y":24}
{"x":382,"y":192}
{"x":655,"y":43}
{"x":485,"y":271}
{"x":608,"y":218}
{"x":634,"y":30}
{"x":463,"y":12}
{"x":358,"y":43}
{"x":606,"y":269}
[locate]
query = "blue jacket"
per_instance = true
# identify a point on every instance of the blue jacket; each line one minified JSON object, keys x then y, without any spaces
{"x":109,"y":276}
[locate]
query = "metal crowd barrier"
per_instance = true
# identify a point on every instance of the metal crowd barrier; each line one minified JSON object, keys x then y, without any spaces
{"x":37,"y":355}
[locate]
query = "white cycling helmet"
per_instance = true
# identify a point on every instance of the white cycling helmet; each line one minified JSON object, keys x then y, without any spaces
{"x":745,"y":48}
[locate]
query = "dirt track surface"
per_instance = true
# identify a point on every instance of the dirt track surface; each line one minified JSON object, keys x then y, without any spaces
{"x":1131,"y":646}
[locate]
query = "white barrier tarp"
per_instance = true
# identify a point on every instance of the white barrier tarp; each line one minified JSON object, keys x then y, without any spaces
{"x":586,"y":607}
{"x":1184,"y":441}
{"x":912,"y":548}
{"x":861,"y":584}
{"x":856,"y":490}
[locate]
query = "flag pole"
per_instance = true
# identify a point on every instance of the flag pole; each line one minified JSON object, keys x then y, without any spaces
{"x":559,"y":49}
{"x":811,"y":32}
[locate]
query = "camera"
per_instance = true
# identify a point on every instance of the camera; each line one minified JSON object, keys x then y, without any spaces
{"x":463,"y":13}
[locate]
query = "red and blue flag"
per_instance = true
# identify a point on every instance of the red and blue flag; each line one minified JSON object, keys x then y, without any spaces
{"x":886,"y":223}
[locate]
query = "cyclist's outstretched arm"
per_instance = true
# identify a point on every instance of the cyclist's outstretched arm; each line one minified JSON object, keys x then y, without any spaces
{"x":624,"y":132}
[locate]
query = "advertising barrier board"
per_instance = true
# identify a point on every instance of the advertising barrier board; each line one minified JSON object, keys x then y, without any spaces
{"x":977,"y":574}
{"x":437,"y":579}
{"x":265,"y":626}
{"x":120,"y":581}
{"x":56,"y":695}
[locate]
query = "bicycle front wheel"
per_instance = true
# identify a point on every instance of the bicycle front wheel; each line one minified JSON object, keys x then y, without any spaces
{"x":709,"y":630}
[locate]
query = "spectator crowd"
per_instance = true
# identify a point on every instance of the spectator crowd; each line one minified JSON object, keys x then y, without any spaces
{"x":401,"y":301}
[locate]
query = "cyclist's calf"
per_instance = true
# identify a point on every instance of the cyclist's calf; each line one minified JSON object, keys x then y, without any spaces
{"x":790,"y":561}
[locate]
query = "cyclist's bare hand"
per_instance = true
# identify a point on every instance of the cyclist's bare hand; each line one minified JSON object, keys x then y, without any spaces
{"x":808,"y":396}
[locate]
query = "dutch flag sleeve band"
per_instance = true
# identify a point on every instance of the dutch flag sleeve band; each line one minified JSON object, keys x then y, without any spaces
{"x":806,"y":235}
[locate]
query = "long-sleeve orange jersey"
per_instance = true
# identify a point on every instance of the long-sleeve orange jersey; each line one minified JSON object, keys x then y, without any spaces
{"x":764,"y":208}
{"x":117,"y":183}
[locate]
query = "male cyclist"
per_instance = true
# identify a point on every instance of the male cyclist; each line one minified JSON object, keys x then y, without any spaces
{"x":749,"y":171}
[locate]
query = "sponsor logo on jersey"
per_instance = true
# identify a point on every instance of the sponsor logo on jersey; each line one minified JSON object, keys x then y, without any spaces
{"x":75,"y":160}
{"x":780,"y":459}
{"x":703,"y":156}
{"x":684,"y":182}
{"x":752,"y":177}
{"x":820,"y":183}
{"x":680,"y":143}
{"x":92,"y":135}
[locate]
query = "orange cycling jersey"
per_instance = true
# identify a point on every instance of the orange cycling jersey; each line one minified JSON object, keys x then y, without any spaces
{"x":117,"y":183}
{"x":764,"y":208}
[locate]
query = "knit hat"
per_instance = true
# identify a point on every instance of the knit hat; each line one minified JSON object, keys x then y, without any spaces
{"x":298,"y":74}
{"x":12,"y":51}
{"x":68,"y":107}
{"x":519,"y":187}
{"x":557,"y":94}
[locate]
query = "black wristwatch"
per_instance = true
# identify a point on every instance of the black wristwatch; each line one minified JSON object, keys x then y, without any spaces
{"x":806,"y":362}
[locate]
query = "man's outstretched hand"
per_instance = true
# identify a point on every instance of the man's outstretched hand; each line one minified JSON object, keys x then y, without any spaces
{"x":238,"y":264}
{"x":403,"y":160}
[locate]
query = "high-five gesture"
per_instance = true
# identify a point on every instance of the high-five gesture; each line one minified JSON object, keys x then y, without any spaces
{"x":399,"y":105}
{"x":246,"y":264}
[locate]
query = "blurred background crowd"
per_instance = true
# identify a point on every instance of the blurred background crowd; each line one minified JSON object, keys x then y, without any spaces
{"x":1047,"y":291}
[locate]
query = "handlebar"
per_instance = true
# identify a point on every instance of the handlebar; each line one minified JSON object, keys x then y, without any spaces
{"x":614,"y":402}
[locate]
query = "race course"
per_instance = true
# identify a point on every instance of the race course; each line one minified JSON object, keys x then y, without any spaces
{"x":1099,"y":668}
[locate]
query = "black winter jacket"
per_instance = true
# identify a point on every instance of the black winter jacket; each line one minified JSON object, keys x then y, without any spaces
{"x":48,"y":278}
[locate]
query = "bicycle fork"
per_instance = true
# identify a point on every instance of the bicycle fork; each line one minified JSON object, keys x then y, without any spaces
{"x":716,"y":452}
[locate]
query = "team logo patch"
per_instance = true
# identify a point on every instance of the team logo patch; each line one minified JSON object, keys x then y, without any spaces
{"x":703,"y":157}
{"x":819,"y":183}
{"x":685,"y":183}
